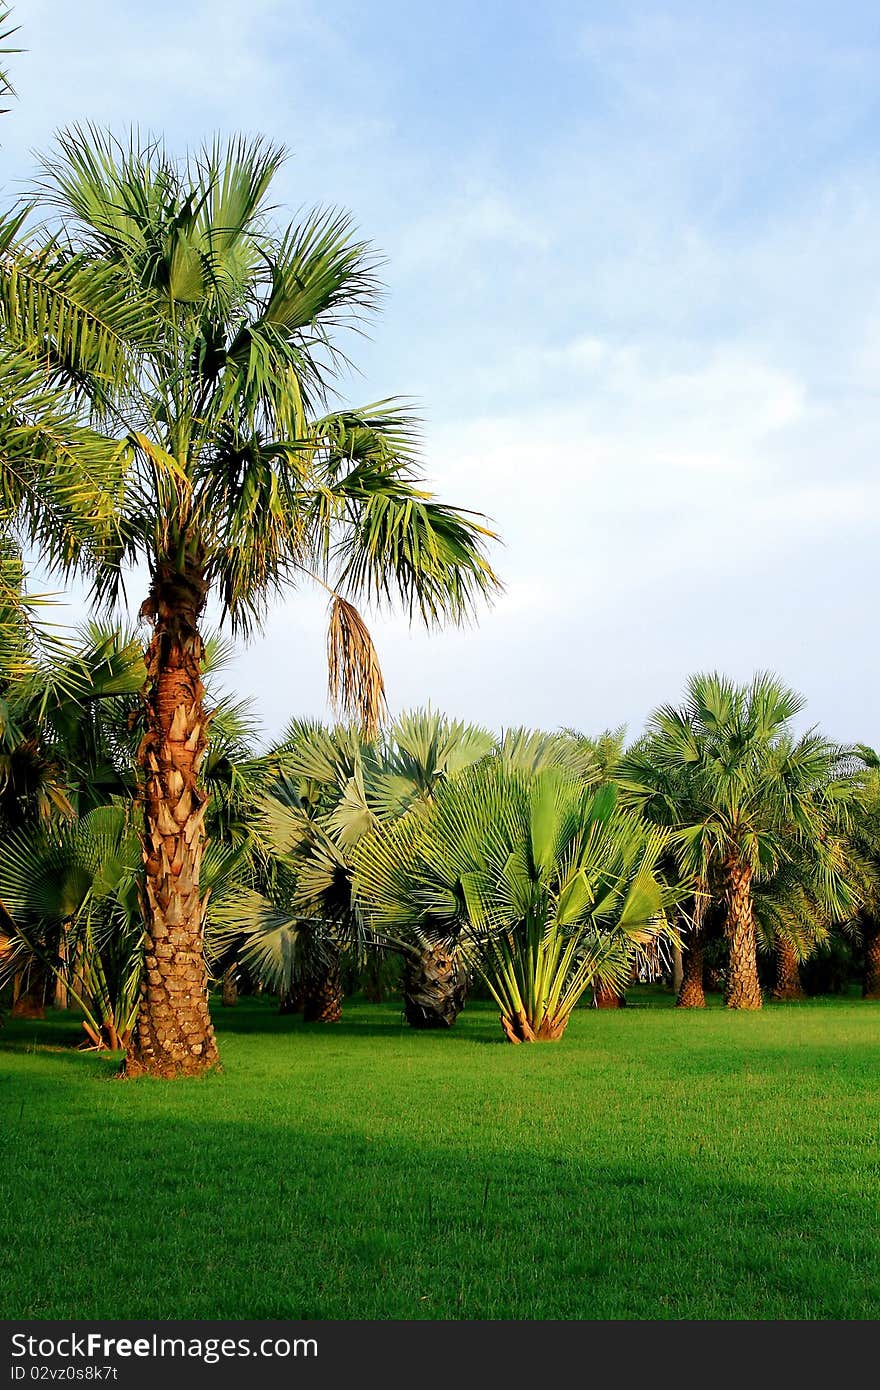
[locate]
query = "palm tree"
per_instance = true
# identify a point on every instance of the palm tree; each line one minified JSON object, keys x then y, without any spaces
{"x":864,"y":848}
{"x":62,"y":746}
{"x":336,"y":788}
{"x":422,"y":752}
{"x":551,"y":884}
{"x":793,"y":920}
{"x":235,"y":477}
{"x":744,"y":797}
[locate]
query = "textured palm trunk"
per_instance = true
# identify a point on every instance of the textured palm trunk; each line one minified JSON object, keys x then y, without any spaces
{"x":691,"y":994}
{"x":743,"y":989}
{"x":174,"y":1035}
{"x":434,"y":988}
{"x":871,"y":978}
{"x":229,"y":991}
{"x":788,"y":975}
{"x":322,"y":1002}
{"x":61,"y":1000}
{"x":519,"y":1029}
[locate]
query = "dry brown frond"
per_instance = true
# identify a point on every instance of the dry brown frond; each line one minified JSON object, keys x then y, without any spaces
{"x":357,"y":687}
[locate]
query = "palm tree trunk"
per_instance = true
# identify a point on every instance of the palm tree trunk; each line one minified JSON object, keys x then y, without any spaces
{"x":743,"y":989}
{"x":293,"y":1001}
{"x":692,"y":995}
{"x":434,"y":988}
{"x":61,"y":1000}
{"x":229,"y":994}
{"x":607,"y":997}
{"x":788,"y":977}
{"x":677,"y":970}
{"x":29,"y":992}
{"x":322,"y":1001}
{"x":174,"y":1034}
{"x":518,"y":1029}
{"x":871,"y":978}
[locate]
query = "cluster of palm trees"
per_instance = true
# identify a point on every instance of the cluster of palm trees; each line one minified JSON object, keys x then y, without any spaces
{"x":169,"y":357}
{"x":552,"y":867}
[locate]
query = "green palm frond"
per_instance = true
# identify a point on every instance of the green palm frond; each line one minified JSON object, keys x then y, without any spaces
{"x":552,"y":885}
{"x":187,"y":345}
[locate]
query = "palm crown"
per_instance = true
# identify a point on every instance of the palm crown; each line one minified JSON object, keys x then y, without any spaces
{"x":213,"y":373}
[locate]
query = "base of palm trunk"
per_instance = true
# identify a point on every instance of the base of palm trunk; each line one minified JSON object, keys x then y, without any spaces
{"x":743,"y":993}
{"x":607,"y":997}
{"x":105,"y":1039}
{"x":173,"y":1041}
{"x":434,"y":989}
{"x":871,"y":978}
{"x":292,"y":1002}
{"x":518,"y":1029}
{"x":691,"y":994}
{"x":229,"y":995}
{"x":323,"y":1002}
{"x":30,"y":995}
{"x":788,"y":979}
{"x":26,"y":1006}
{"x":170,"y":1069}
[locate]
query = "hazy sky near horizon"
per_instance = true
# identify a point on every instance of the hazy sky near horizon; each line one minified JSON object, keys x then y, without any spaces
{"x":632,"y":280}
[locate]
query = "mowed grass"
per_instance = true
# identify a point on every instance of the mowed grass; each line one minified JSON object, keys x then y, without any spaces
{"x":655,"y":1164}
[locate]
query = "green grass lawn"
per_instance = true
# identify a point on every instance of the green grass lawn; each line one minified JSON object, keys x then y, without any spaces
{"x":654,"y":1164}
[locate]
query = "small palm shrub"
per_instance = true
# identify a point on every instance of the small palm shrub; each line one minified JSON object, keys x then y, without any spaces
{"x":549,"y":883}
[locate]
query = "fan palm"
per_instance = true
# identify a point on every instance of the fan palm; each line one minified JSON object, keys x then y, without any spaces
{"x":794,"y":919}
{"x":744,"y":797}
{"x":424,"y":750}
{"x":235,"y":477}
{"x":337,"y":788}
{"x":71,"y":891}
{"x":551,"y":884}
{"x":72,"y":895}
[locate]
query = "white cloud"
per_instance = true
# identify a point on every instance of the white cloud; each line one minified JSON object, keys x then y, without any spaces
{"x":647,"y":345}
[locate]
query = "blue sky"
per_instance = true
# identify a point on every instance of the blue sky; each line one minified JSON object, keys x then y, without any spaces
{"x":632,"y":278}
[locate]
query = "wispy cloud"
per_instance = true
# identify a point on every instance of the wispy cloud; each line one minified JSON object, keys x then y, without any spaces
{"x":633,"y":275}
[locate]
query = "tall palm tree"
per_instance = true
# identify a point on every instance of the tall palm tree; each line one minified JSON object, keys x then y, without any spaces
{"x":235,"y":476}
{"x":551,"y":884}
{"x":744,"y":797}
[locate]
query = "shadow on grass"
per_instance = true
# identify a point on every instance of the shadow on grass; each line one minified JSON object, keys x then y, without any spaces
{"x":214,"y":1215}
{"x":359,"y":1020}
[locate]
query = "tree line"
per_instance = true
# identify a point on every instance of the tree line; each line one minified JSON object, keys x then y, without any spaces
{"x":171,"y":353}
